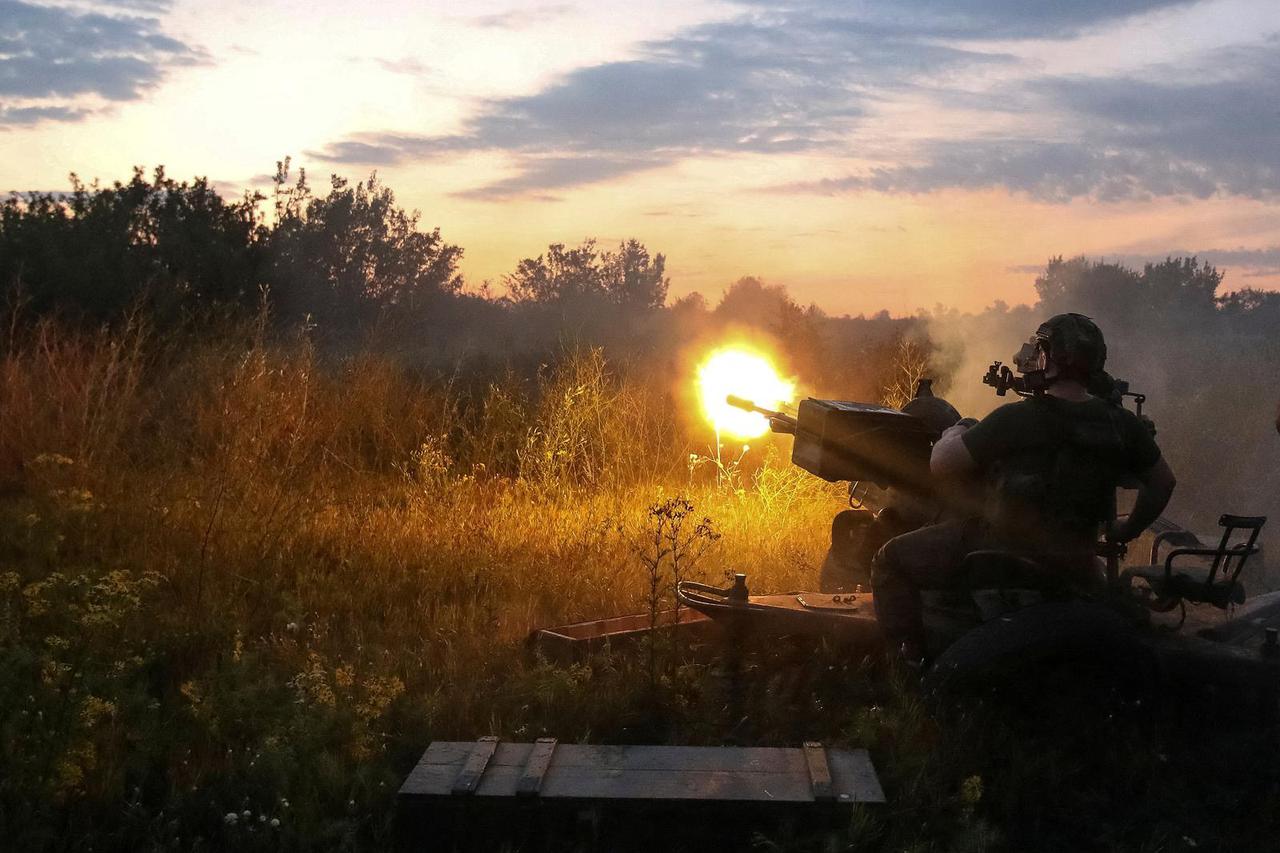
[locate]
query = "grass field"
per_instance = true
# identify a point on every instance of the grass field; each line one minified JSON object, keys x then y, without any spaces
{"x":242,"y":587}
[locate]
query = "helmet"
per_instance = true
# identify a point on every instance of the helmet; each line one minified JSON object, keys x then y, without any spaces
{"x":1071,"y":342}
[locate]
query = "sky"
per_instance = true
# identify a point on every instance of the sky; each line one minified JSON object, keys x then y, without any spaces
{"x":867,"y":154}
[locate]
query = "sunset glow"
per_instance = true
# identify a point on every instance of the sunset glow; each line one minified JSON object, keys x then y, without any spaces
{"x":941,"y":164}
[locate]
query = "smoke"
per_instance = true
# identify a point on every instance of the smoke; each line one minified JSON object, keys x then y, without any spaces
{"x":965,"y":345}
{"x":1209,"y":375}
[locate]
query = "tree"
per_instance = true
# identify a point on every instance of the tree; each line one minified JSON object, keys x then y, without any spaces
{"x":633,"y":279}
{"x":344,"y":257}
{"x":1089,"y":287}
{"x":1180,"y":286}
{"x":910,"y":365}
{"x":97,"y":251}
{"x":559,"y":275}
{"x":1175,"y":290}
{"x":629,"y":277}
{"x":752,"y":302}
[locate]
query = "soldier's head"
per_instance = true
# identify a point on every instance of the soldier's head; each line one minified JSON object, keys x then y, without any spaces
{"x":1066,"y":346}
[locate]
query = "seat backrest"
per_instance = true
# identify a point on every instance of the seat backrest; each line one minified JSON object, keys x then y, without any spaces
{"x":1240,"y":551}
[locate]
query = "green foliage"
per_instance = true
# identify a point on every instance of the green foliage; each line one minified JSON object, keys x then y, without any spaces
{"x":180,"y":250}
{"x":101,"y":250}
{"x":1179,"y":290}
{"x":629,"y":277}
{"x":343,"y":257}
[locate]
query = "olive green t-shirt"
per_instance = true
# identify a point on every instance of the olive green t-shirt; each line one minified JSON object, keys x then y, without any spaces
{"x":1052,"y":465}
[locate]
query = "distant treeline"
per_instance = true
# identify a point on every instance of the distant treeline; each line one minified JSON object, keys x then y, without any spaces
{"x":352,"y":266}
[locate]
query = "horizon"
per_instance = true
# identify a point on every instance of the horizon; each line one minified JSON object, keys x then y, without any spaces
{"x":866,"y":158}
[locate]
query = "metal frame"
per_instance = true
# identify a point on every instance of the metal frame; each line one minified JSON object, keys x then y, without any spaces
{"x":1222,"y":555}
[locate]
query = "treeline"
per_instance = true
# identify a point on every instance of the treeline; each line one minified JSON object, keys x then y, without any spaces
{"x":354,"y":268}
{"x":178,"y":249}
{"x":342,"y":259}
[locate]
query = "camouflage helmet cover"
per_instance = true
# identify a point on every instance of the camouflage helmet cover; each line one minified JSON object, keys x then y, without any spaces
{"x":1074,"y":343}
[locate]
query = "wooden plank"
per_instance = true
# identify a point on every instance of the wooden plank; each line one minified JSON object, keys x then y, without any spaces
{"x":577,"y":771}
{"x":539,"y":759}
{"x":854,"y":776}
{"x":815,"y":757}
{"x":626,"y":757}
{"x":468,"y":779}
{"x":585,"y":783}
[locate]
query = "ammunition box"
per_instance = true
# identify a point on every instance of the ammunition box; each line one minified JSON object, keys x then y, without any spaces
{"x":838,"y":440}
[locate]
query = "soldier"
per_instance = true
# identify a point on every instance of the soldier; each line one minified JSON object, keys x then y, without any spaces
{"x":1050,"y":464}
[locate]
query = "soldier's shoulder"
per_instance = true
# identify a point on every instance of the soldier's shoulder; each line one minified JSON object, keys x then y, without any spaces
{"x":1025,"y":405}
{"x":1114,"y":410}
{"x":1014,"y":412}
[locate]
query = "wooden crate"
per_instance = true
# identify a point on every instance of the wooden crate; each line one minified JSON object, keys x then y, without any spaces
{"x":547,"y":795}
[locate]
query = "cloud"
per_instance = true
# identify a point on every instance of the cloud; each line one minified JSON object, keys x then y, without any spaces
{"x":795,"y":83}
{"x":550,"y":173}
{"x":1044,"y":170}
{"x":1252,"y":262}
{"x":407,"y":65}
{"x":136,"y":5}
{"x":523,"y":19}
{"x":1194,"y":131}
{"x":26,"y":116}
{"x":389,"y":149}
{"x":980,"y":19}
{"x":1260,"y":261}
{"x":54,"y":53}
{"x":804,"y":76}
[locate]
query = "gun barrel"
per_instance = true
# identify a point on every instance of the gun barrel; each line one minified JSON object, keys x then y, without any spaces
{"x":778,"y":422}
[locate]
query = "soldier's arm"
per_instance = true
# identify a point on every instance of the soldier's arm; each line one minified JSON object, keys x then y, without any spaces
{"x":1155,"y":489}
{"x":951,"y":457}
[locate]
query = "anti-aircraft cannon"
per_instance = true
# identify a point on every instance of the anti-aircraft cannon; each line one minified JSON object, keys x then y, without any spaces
{"x":1168,"y":620}
{"x":883,"y":454}
{"x":989,"y":630}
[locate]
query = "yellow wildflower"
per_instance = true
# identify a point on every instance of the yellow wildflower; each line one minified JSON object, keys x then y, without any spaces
{"x":190,"y":691}
{"x":94,"y":709}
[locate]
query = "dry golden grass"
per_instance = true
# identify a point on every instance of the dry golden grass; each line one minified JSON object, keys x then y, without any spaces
{"x":233,"y":576}
{"x":241,"y":589}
